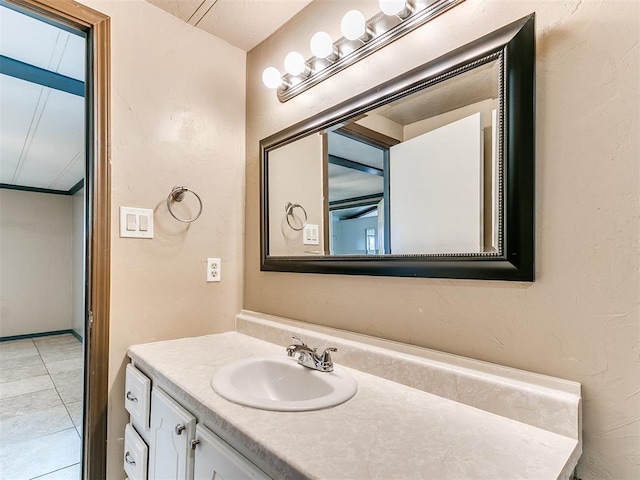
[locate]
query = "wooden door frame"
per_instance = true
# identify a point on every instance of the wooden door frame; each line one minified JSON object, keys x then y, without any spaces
{"x":97,"y":234}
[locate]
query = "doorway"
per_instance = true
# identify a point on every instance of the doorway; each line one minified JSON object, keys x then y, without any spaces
{"x":87,"y":408}
{"x":356,"y":182}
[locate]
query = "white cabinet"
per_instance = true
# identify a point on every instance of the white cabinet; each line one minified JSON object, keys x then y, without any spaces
{"x":214,"y":458}
{"x":171,"y":431}
{"x":135,"y":454}
{"x":136,"y":398}
{"x":166,"y":443}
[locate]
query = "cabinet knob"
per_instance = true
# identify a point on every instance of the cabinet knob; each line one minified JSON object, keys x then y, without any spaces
{"x":179,"y":429}
{"x":131,"y":397}
{"x":128,"y":460}
{"x":194,"y":443}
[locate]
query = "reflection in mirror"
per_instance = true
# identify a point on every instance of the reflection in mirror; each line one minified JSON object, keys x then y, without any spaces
{"x":430,"y":174}
{"x":357,"y":180}
{"x":430,"y":159}
{"x":419,"y":175}
{"x":295,"y":171}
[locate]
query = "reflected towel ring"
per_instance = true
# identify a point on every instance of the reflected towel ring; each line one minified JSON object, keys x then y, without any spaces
{"x":177,"y":195}
{"x":289,"y":207}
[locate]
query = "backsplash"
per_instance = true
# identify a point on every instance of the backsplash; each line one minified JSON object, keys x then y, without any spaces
{"x":546,"y":402}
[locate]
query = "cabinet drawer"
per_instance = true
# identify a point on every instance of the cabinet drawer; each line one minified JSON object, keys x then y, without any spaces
{"x":135,"y":454}
{"x":137,"y":397}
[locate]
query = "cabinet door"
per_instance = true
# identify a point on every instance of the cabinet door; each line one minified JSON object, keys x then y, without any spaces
{"x":172,"y":429}
{"x":216,"y":459}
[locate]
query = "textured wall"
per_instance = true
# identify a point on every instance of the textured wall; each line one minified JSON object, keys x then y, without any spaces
{"x":178,"y":118}
{"x":580,"y":319}
{"x":35,"y":262}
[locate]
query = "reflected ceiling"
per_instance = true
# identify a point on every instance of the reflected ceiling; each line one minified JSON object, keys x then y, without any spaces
{"x":474,"y":86}
{"x":346,"y":183}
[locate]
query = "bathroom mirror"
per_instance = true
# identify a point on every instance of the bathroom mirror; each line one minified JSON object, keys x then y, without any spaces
{"x":430,"y":174}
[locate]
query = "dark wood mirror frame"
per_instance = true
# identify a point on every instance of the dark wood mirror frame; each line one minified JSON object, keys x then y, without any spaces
{"x":514,"y":45}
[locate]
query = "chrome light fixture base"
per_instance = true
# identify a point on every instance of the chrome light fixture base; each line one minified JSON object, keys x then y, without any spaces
{"x":386,"y":29}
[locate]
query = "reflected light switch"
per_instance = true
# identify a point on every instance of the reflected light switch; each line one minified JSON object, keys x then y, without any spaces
{"x":310,"y":235}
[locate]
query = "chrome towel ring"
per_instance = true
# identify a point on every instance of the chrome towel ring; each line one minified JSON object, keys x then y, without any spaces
{"x":289,"y":208}
{"x":177,"y":195}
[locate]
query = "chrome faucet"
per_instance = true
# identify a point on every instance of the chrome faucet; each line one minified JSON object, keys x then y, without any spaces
{"x":307,"y":357}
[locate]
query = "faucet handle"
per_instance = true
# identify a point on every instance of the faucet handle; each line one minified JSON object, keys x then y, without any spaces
{"x":293,"y":348}
{"x":300,"y":340}
{"x":326,"y":356}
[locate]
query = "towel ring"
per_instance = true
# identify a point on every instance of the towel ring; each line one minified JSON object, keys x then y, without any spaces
{"x":177,"y":195}
{"x":289,"y":207}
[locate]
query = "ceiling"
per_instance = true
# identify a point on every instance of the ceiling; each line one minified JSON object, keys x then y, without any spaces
{"x":42,"y":128}
{"x":242,"y":23}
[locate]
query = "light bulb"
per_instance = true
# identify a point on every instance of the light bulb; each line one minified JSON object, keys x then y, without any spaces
{"x":294,"y":63}
{"x":353,"y":25}
{"x":271,"y":77}
{"x":392,"y":7}
{"x":322,"y":45}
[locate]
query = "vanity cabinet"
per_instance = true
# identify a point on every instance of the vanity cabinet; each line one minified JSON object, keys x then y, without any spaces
{"x":172,"y":430}
{"x":176,"y":445}
{"x":135,"y":454}
{"x":137,"y":398}
{"x":214,"y":458}
{"x":530,"y":423}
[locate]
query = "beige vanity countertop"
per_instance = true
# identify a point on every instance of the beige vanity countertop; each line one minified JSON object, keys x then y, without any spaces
{"x":387,"y":430}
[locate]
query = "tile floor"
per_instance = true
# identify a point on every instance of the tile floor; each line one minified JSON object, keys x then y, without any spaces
{"x":41,"y":408}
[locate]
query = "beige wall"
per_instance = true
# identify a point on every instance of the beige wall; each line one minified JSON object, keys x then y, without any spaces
{"x":35,"y":262}
{"x":295,"y":176}
{"x":178,"y":118}
{"x":580,"y":319}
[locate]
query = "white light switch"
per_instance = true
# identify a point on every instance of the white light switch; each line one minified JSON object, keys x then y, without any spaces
{"x":136,"y":222}
{"x":144,"y":223}
{"x":310,"y":235}
{"x":131,"y":222}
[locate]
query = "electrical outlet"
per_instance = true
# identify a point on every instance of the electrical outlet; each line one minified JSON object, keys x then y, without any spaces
{"x":213,"y":269}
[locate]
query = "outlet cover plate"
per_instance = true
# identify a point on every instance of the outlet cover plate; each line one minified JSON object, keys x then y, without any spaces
{"x":214,"y":269}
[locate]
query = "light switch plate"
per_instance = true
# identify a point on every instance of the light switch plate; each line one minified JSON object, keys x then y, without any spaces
{"x":143,"y":216}
{"x":310,"y":235}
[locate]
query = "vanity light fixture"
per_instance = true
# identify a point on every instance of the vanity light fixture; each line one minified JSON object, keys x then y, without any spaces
{"x":354,"y":26}
{"x":271,"y":78}
{"x":399,"y":8}
{"x":361,"y":38}
{"x":295,"y":65}
{"x":322,"y":46}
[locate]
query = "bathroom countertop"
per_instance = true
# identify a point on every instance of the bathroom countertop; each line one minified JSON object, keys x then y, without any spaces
{"x":387,"y":430}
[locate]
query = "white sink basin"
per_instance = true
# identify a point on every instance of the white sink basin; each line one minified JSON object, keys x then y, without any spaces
{"x":278,"y":383}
